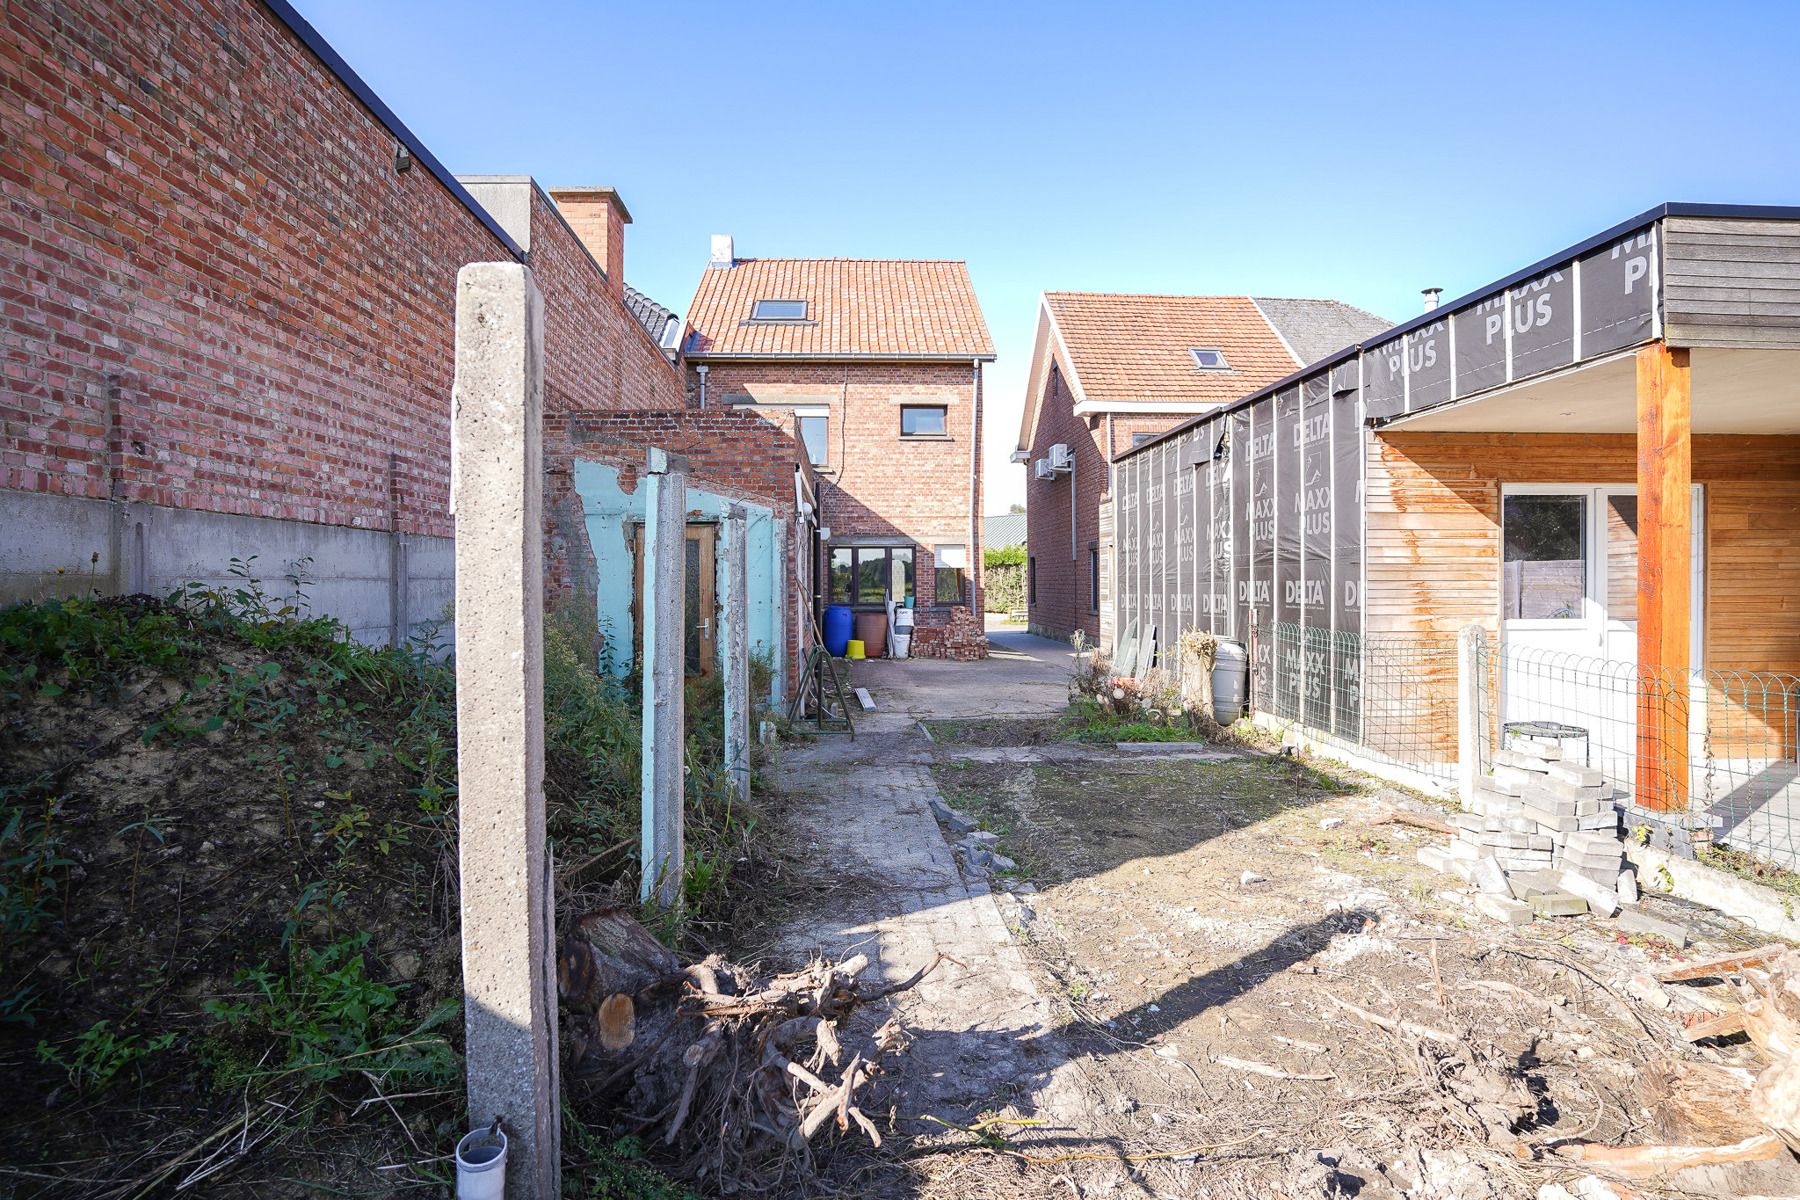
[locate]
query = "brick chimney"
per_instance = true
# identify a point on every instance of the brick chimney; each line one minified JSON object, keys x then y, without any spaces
{"x":599,"y":218}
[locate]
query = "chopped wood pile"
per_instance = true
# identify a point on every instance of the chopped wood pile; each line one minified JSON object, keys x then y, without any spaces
{"x":738,"y":1075}
{"x":1765,"y":984}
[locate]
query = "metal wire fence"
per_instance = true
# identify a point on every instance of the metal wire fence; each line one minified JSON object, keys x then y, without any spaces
{"x":1709,"y":754}
{"x":1392,"y":699}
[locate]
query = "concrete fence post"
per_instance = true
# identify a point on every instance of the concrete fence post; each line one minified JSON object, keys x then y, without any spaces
{"x":734,"y":651}
{"x":663,"y":856}
{"x":778,"y":567}
{"x":1471,"y":692}
{"x":508,"y":934}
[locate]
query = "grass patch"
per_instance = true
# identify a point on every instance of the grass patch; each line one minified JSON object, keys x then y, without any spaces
{"x":1084,"y":720}
{"x":1747,"y":866}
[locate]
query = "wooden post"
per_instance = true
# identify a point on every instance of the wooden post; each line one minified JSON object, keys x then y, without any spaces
{"x":663,"y":857}
{"x":734,"y":650}
{"x":508,"y":942}
{"x":1665,"y":574}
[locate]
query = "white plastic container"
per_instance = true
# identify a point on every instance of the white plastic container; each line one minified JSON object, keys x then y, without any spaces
{"x":481,"y":1165}
{"x":903,"y":619}
{"x":1230,"y":682}
{"x":900,"y":642}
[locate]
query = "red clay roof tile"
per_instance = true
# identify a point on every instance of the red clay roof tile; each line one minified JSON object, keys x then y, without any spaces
{"x":856,"y":308}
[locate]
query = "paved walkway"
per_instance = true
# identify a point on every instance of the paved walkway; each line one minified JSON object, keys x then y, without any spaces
{"x":983,"y":1033}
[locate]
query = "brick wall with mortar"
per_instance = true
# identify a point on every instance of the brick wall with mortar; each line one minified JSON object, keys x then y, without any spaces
{"x":219,"y":293}
{"x":1064,"y":600}
{"x":596,"y":355}
{"x":875,"y":483}
{"x":729,"y":452}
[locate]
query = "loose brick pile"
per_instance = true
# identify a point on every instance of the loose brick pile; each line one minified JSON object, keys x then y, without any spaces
{"x":962,"y":638}
{"x":1540,"y":839}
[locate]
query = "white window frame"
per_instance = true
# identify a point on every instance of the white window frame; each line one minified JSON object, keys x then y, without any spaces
{"x":1224,"y":364}
{"x":1593,"y":609}
{"x":823,"y":413}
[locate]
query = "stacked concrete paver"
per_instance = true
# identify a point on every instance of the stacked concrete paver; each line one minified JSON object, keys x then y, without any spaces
{"x":1540,"y":839}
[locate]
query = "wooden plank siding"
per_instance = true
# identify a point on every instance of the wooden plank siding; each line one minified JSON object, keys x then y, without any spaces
{"x":1731,"y":282}
{"x":1433,"y":519}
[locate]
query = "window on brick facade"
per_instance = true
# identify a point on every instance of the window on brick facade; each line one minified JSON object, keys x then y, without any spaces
{"x":870,"y":576}
{"x":778,"y":310}
{"x":952,"y":571}
{"x":923,"y":420}
{"x":1031,"y":580}
{"x":1093,"y":579}
{"x":1138,"y":439}
{"x":1209,"y":359}
{"x":814,"y":428}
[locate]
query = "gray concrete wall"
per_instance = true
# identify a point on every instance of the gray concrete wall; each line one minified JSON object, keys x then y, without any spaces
{"x":377,"y":583}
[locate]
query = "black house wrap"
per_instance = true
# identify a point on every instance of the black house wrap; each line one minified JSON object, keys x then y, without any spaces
{"x":1253,"y":515}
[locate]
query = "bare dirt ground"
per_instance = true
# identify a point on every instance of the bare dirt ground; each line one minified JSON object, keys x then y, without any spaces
{"x":1242,"y":984}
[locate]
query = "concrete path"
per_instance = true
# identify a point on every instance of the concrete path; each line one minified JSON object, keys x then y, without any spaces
{"x":983,"y":1032}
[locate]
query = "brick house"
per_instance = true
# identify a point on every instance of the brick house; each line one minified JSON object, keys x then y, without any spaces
{"x":875,"y":366}
{"x":1111,"y":371}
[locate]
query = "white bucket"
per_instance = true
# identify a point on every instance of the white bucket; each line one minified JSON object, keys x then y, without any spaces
{"x":481,"y":1165}
{"x":903,"y":618}
{"x":900,"y":643}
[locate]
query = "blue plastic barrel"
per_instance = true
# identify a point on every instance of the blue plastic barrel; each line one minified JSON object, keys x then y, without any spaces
{"x":837,"y":630}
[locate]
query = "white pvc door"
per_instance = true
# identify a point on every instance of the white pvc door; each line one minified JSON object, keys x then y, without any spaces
{"x":1569,"y":626}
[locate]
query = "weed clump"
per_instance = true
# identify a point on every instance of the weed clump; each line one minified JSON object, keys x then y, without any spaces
{"x":228,"y":891}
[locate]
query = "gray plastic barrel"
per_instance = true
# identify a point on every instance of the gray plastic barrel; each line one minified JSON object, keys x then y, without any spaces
{"x":1230,"y":682}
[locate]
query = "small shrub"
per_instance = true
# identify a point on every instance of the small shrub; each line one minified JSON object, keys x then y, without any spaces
{"x":101,"y":1052}
{"x":326,"y":1017}
{"x":31,"y":866}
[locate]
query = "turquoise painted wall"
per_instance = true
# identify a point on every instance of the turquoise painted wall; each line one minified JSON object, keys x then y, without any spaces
{"x":612,"y":515}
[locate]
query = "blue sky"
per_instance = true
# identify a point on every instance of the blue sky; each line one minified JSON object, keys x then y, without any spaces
{"x":1349,"y":151}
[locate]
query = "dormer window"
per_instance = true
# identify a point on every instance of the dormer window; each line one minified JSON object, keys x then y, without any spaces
{"x":1207,"y":359}
{"x":778,"y":310}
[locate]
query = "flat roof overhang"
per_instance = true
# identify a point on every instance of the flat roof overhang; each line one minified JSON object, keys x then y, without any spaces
{"x":1744,"y":391}
{"x":1704,"y":277}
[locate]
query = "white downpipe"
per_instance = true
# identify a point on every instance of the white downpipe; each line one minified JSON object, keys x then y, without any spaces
{"x":1074,"y":556}
{"x":977,"y":573}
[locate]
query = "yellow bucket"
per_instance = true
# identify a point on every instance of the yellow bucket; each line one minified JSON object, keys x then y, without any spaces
{"x":854,"y":649}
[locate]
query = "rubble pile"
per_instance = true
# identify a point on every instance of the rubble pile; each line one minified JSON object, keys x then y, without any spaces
{"x":1540,"y":839}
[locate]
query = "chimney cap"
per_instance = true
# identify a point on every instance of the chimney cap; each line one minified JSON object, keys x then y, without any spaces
{"x":1432,"y":296}
{"x":724,"y":252}
{"x":591,"y":195}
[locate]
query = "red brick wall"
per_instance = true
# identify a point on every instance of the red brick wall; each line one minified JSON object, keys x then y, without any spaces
{"x":729,"y":452}
{"x":876,"y":483}
{"x":1064,"y":603}
{"x":216,"y":291}
{"x":596,"y":355}
{"x":736,"y":450}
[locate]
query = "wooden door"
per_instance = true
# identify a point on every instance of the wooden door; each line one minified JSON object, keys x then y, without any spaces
{"x":700,"y":657}
{"x":699,"y":602}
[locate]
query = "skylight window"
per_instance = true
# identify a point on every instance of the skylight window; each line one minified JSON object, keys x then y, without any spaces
{"x":778,"y":310}
{"x":1209,"y":360}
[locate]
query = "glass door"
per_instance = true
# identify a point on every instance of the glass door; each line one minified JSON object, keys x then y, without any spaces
{"x":1569,"y":619}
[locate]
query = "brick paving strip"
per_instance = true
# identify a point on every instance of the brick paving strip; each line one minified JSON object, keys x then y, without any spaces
{"x":984,"y":1035}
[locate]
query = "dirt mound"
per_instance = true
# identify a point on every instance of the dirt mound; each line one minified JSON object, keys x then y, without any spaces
{"x":229,"y":881}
